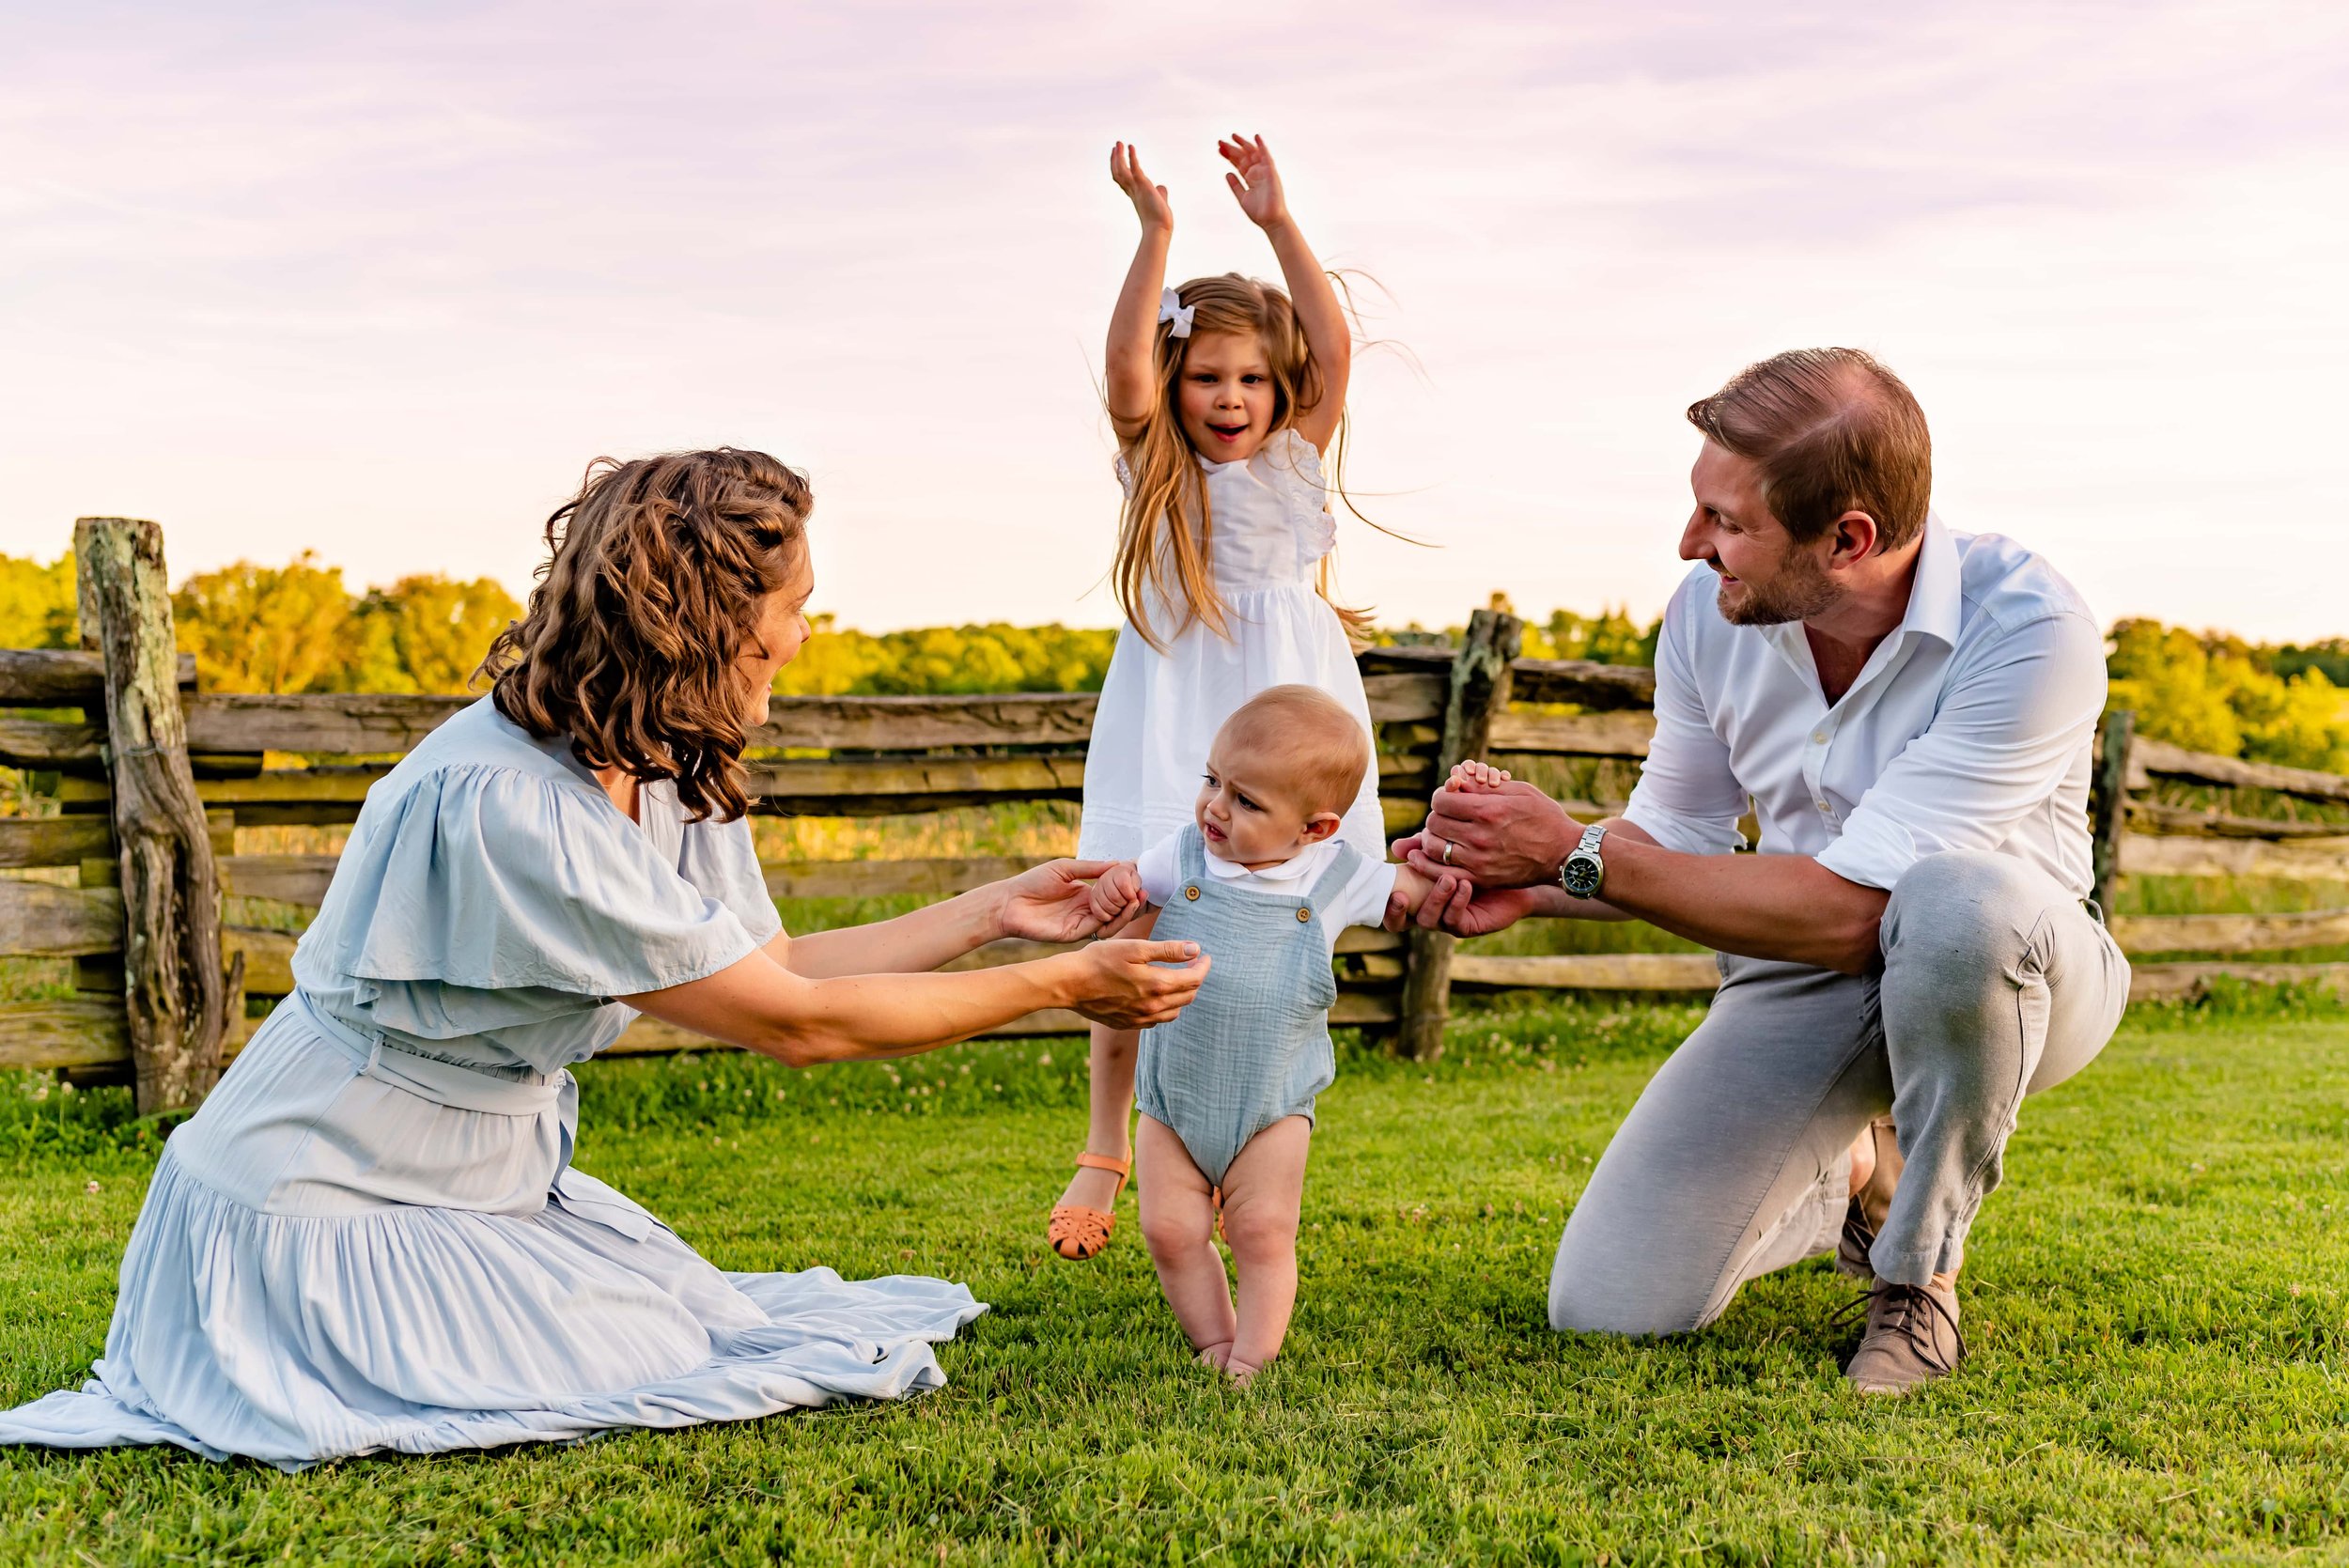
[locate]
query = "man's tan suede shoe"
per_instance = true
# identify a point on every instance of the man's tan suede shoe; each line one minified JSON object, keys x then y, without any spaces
{"x":1911,"y":1338}
{"x":1871,"y":1203}
{"x":1851,"y":1253}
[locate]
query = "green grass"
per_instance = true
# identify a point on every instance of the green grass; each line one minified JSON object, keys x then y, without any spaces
{"x":2156,"y":1302}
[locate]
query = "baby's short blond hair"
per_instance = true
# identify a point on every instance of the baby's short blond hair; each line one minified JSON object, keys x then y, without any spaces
{"x":1321,"y":749}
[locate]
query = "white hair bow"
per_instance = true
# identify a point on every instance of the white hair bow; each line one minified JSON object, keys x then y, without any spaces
{"x":1171,"y":308}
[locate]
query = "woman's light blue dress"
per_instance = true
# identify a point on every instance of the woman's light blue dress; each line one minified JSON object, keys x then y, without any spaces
{"x":371,"y":1236}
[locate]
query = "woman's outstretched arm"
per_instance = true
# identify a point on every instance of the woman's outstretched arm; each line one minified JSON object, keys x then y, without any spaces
{"x":758,"y":1004}
{"x":1256,"y":184}
{"x":1050,"y":903}
{"x":1132,"y":368}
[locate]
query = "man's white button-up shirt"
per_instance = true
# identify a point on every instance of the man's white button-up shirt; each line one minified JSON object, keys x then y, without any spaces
{"x":1970,"y":727}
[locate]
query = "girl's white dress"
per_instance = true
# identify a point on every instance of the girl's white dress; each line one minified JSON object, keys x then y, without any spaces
{"x":372,"y":1236}
{"x":1160,"y":711}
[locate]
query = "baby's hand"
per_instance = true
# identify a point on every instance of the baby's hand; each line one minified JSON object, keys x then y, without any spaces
{"x":1116,"y":893}
{"x":1473,"y":777}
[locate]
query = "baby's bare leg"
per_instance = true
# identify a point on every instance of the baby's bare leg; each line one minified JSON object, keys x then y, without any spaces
{"x":1178,"y":1223}
{"x":1262,"y":1193}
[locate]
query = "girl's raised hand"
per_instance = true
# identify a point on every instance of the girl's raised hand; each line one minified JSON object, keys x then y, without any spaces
{"x":1150,"y":203}
{"x":1254,"y":181}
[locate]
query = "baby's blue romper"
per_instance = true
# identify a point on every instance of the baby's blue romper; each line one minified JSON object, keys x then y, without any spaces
{"x":1254,"y":1046}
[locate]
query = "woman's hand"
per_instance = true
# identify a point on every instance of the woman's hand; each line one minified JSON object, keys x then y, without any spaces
{"x":1150,"y":203}
{"x":1132,"y":985}
{"x":1055,"y":903}
{"x":1254,"y":181}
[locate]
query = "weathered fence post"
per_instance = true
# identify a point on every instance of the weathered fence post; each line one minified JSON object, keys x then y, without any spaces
{"x":1480,"y":689}
{"x":173,"y":989}
{"x":2108,"y":802}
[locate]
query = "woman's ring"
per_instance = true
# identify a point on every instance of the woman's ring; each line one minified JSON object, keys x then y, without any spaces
{"x":1449,"y":845}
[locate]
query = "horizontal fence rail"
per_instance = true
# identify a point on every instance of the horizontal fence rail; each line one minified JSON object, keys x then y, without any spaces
{"x":259,"y":761}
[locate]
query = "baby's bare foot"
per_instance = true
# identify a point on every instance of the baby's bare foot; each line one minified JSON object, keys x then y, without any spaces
{"x":1241,"y":1373}
{"x":1217,"y":1356}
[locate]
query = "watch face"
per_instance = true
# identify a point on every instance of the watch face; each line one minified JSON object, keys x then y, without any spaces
{"x":1582,"y":875}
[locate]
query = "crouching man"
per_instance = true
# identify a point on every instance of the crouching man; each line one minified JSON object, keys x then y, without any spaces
{"x":1910,"y":712}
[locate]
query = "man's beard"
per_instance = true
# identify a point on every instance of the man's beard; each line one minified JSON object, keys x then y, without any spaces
{"x":1801,"y":590}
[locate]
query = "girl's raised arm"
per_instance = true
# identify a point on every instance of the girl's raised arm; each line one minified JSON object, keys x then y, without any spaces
{"x":1132,"y":364}
{"x":1257,"y":185}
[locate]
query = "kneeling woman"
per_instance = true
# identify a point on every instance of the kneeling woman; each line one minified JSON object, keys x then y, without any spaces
{"x":371,"y":1236}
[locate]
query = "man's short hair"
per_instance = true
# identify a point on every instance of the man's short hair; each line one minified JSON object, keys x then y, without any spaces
{"x":1833,"y":432}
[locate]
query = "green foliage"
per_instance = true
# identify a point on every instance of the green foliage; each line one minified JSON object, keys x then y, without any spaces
{"x":934,"y":660}
{"x":265,"y":629}
{"x":1609,"y":637}
{"x":44,"y":1120}
{"x":2330,"y":656}
{"x":298,"y":629}
{"x":2214,"y":692}
{"x":425,"y":633}
{"x":37,"y":603}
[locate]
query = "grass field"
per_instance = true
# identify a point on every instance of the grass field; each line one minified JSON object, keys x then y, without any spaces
{"x":2157,"y":1301}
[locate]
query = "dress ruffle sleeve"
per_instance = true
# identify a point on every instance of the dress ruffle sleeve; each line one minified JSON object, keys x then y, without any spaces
{"x":720,"y":859}
{"x":1295,"y":465}
{"x":490,"y":878}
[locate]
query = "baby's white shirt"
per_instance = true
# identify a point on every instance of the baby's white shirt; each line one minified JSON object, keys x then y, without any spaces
{"x":1361,"y":902}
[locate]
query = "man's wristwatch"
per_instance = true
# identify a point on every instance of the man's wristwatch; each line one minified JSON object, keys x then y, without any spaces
{"x":1584,"y":870}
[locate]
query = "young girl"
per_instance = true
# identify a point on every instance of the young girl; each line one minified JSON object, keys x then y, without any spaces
{"x":1263,"y":883}
{"x":1225,"y":394}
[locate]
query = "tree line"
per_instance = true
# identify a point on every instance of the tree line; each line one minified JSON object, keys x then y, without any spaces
{"x":301,"y":628}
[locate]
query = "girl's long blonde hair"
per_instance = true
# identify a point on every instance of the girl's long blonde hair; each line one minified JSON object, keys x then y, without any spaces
{"x":1166,"y":536}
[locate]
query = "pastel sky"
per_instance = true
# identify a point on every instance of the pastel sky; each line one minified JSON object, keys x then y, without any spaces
{"x":381,"y":280}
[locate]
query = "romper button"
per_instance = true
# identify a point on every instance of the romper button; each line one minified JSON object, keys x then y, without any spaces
{"x":1304,"y":914}
{"x":1192,"y":892}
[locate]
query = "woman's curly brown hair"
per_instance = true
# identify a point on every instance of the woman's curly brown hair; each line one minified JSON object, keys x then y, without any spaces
{"x":655,"y":576}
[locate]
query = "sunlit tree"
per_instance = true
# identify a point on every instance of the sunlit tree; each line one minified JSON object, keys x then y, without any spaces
{"x":266,"y":628}
{"x":425,"y":633}
{"x":37,"y":603}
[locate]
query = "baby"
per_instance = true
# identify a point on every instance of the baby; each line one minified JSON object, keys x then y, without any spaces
{"x":1261,"y":882}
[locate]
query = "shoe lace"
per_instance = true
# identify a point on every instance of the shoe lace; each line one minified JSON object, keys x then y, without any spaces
{"x":1908,"y":1311}
{"x":1857,"y":1234}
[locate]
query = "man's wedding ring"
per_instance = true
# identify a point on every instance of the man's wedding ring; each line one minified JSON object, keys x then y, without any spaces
{"x":1449,"y":845}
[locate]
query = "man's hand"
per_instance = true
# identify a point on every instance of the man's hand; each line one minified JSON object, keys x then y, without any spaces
{"x":1505,"y":835}
{"x":1456,"y":905}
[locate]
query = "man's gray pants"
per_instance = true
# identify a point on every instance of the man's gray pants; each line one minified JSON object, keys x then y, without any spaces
{"x":1736,"y":1160}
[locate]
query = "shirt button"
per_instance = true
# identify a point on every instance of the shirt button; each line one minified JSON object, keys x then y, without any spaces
{"x":1192,"y":892}
{"x":1304,"y":914}
{"x":1818,"y":737}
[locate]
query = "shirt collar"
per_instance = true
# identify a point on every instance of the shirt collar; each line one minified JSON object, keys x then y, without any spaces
{"x":1294,"y":869}
{"x":1936,"y":601}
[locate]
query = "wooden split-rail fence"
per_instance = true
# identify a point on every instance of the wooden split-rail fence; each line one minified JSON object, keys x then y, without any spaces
{"x":157,"y":777}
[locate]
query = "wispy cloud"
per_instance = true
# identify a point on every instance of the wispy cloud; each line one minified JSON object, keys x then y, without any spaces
{"x":382,"y":280}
